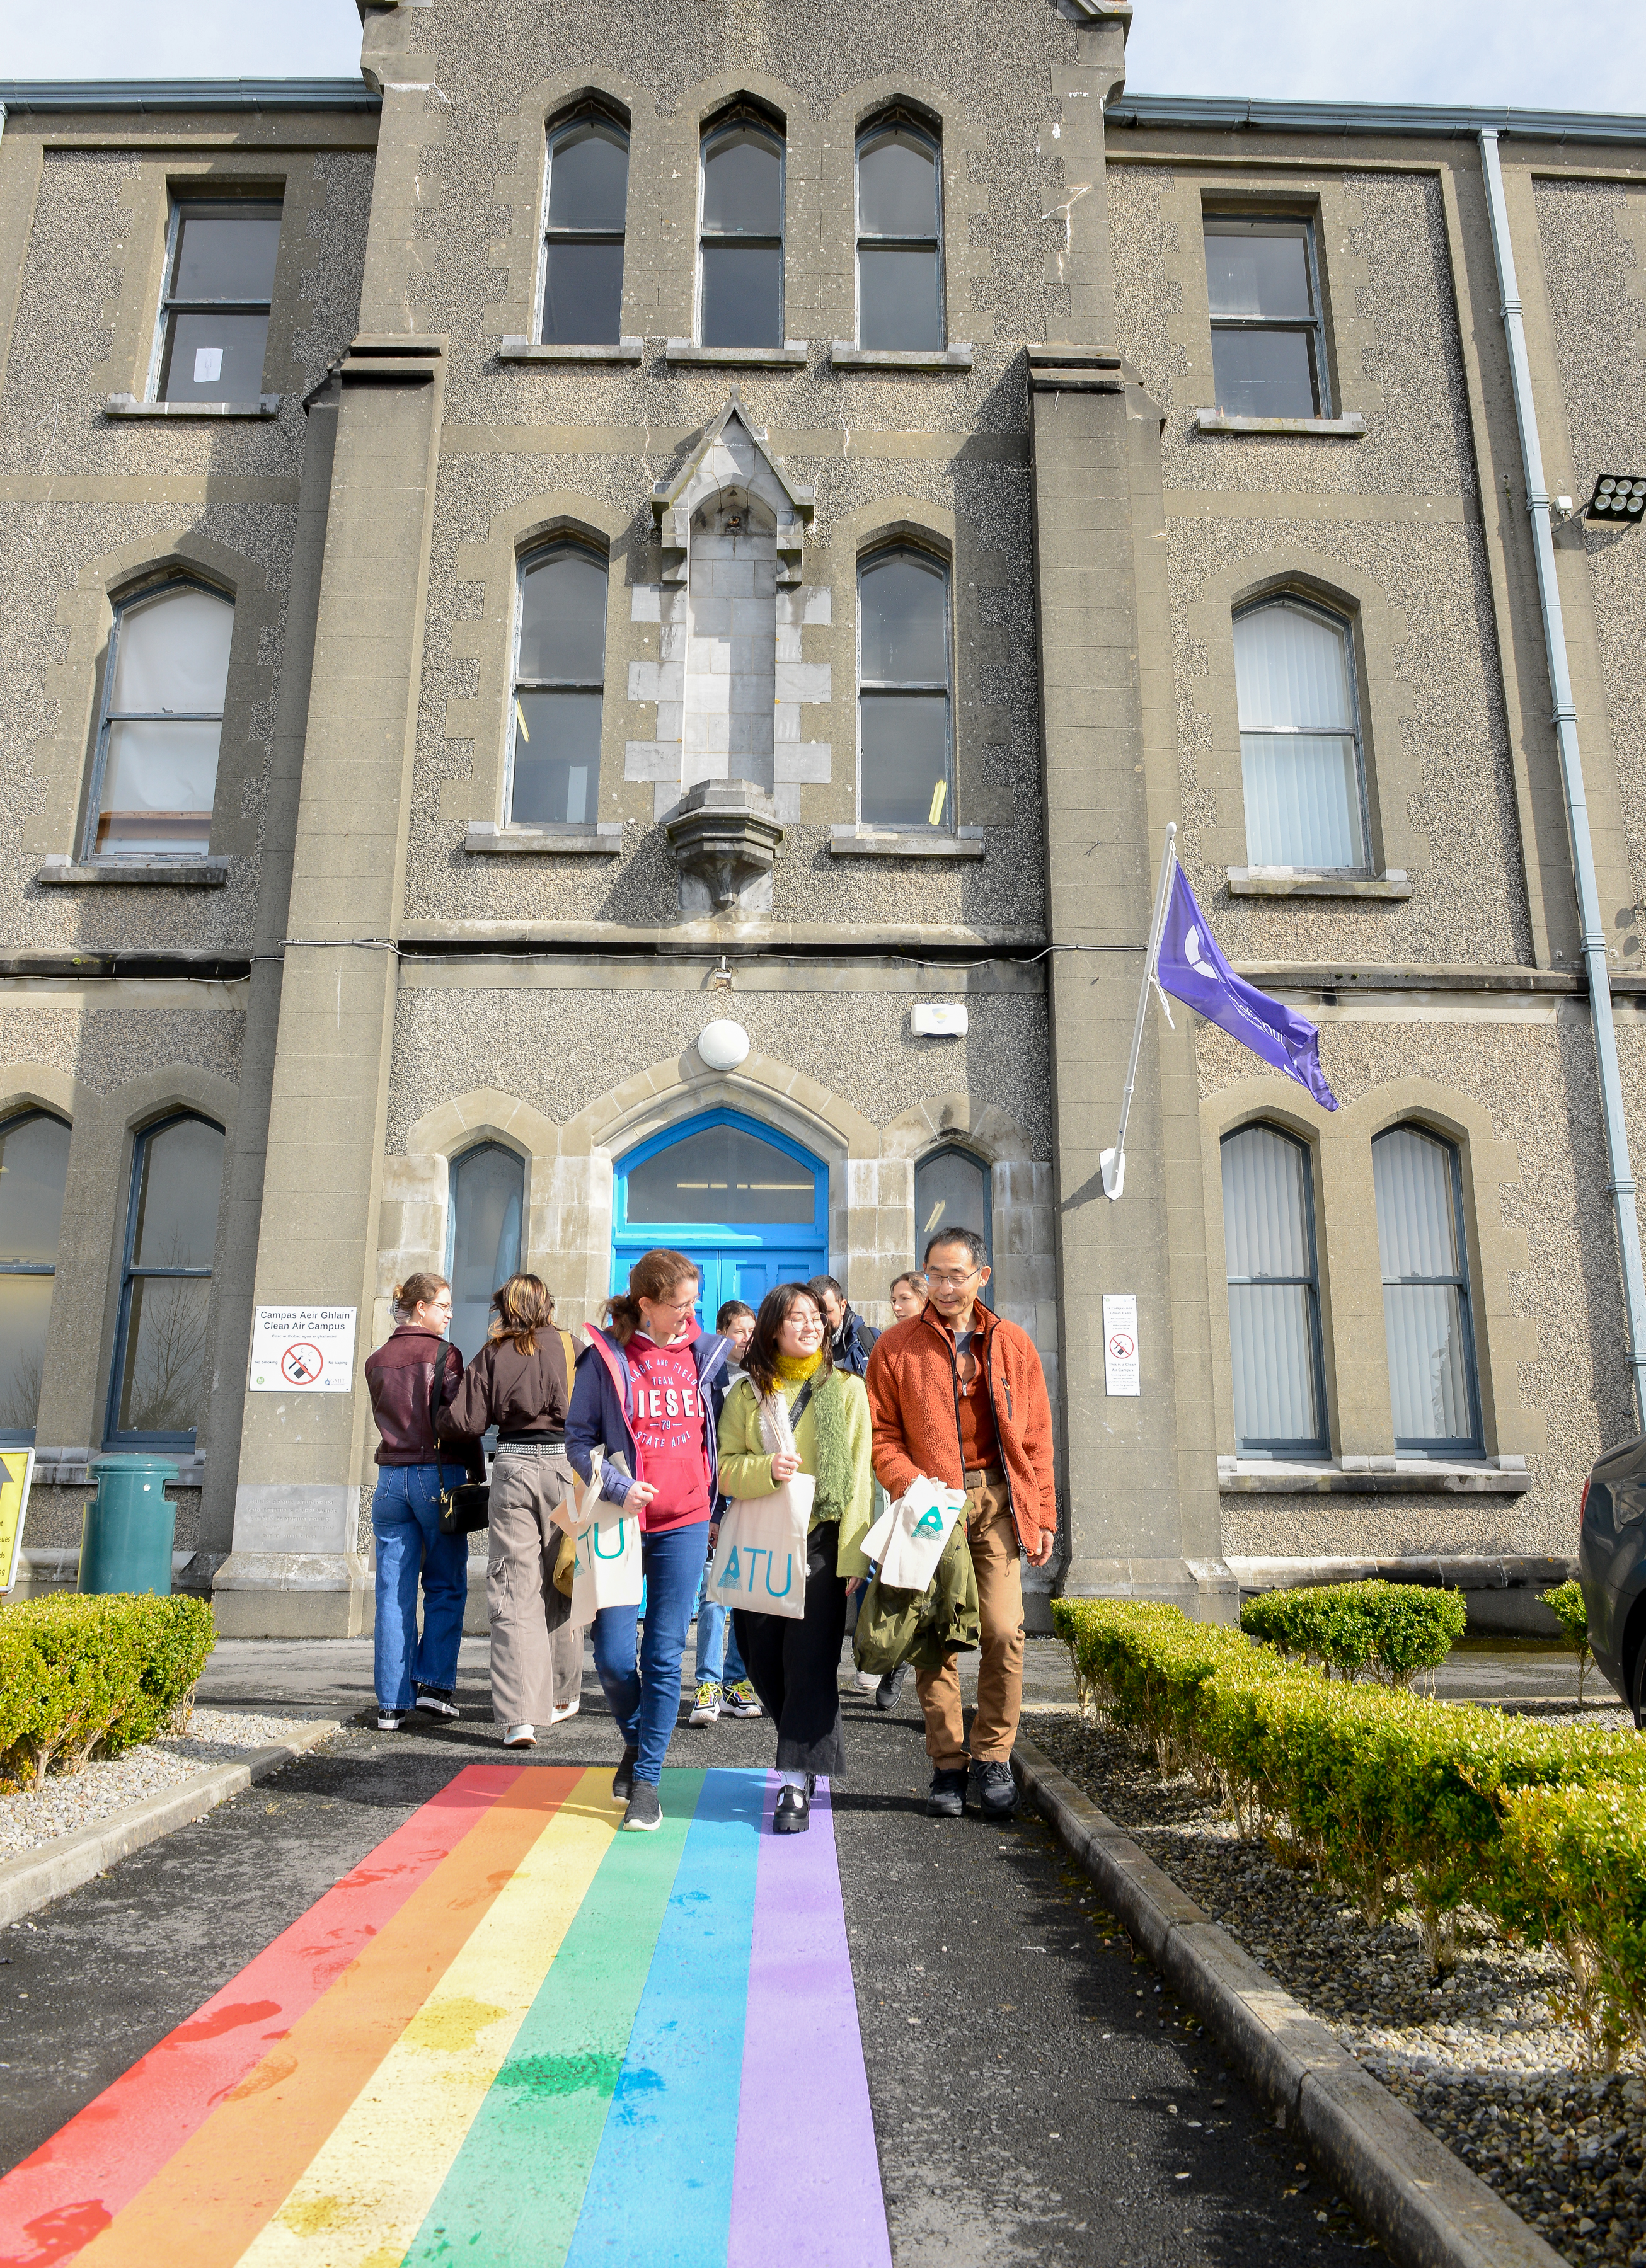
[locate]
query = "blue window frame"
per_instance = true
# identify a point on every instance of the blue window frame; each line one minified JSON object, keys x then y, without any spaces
{"x":748,"y":1205}
{"x":482,"y":1236}
{"x":161,"y":1379}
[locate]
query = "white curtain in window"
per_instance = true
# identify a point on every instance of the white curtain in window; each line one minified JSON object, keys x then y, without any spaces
{"x":1267,"y":1251}
{"x":165,"y":722}
{"x":1424,"y":1293}
{"x":1300,"y":755}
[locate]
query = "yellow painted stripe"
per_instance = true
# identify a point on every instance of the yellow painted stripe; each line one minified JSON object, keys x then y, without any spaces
{"x":365,"y":2191}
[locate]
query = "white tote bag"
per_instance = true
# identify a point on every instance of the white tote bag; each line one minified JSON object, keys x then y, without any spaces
{"x":607,"y":1569}
{"x":760,"y":1562}
{"x":907,"y":1540}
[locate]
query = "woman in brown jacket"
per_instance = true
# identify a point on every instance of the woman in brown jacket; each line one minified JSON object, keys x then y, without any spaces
{"x":518,"y":1382}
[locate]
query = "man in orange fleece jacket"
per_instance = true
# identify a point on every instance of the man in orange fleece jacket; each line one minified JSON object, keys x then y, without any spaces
{"x":957,"y":1394}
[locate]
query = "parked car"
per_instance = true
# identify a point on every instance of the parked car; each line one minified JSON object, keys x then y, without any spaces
{"x":1611,"y":1567}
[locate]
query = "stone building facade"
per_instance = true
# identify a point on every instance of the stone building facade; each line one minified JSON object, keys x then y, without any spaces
{"x":864,"y":475}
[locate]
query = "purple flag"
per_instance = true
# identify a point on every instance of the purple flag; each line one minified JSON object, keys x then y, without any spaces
{"x":1191,"y":966}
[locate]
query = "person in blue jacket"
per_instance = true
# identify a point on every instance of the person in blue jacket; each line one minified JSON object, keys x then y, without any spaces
{"x":647,"y":1399}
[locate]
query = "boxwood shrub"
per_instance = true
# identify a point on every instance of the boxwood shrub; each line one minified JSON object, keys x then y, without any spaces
{"x":1391,"y":1630}
{"x":81,"y":1677}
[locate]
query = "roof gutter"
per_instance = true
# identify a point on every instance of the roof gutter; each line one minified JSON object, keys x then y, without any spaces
{"x":22,"y":96}
{"x":1214,"y":112}
{"x":1621,"y":1180}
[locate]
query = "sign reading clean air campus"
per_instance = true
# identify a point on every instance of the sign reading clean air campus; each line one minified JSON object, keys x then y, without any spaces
{"x":1122,"y":1371}
{"x":303,"y":1351}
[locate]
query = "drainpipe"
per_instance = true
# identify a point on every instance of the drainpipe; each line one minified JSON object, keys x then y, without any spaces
{"x":1621,"y":1182}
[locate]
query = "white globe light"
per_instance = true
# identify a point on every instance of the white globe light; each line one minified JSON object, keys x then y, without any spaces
{"x":722,"y":1044}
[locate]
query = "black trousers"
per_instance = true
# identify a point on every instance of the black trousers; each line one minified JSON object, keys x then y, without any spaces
{"x":793,"y":1666}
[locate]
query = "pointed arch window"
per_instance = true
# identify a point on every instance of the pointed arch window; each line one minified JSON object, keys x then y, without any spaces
{"x":584,"y":231}
{"x":1299,"y":739}
{"x":162,"y":1371}
{"x":905,"y":737}
{"x":162,"y":723}
{"x":951,"y":1190}
{"x":483,"y":1237}
{"x":559,"y":688}
{"x":1434,"y":1385}
{"x":1274,"y":1295}
{"x":899,"y":236}
{"x":34,"y":1172}
{"x":739,"y":294}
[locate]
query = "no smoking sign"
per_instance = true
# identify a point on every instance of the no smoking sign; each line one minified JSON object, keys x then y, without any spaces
{"x":303,"y":1351}
{"x":1122,"y":1372}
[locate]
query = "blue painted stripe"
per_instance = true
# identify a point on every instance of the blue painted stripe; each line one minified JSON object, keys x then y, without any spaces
{"x":660,"y":2190}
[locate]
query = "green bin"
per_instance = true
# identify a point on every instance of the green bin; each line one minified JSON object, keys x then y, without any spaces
{"x":126,"y":1537}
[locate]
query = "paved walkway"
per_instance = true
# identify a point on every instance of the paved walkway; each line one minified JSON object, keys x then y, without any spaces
{"x":414,"y":2002}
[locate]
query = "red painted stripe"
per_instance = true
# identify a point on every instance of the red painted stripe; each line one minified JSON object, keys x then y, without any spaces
{"x":58,"y":2199}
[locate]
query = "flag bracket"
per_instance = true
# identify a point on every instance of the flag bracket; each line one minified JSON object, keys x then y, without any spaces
{"x":1112,"y":1162}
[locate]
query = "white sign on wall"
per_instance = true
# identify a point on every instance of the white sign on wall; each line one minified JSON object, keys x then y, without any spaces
{"x":303,"y":1351}
{"x":1122,"y":1374}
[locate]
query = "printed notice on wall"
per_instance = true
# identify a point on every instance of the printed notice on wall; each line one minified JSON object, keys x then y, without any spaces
{"x":1121,"y":1373}
{"x":303,"y":1351}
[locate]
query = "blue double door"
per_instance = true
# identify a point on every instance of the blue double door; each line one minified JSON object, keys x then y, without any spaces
{"x":748,"y":1206}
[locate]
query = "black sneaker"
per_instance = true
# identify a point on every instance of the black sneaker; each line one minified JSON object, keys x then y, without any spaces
{"x":437,"y":1700}
{"x":622,"y":1778}
{"x":645,"y":1808}
{"x":995,"y":1789}
{"x":390,"y":1720}
{"x":948,"y":1796}
{"x":891,"y":1686}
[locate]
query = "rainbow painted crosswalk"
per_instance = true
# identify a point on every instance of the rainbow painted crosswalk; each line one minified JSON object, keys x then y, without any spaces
{"x":510,"y":2035}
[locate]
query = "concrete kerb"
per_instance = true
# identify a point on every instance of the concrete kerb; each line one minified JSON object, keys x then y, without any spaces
{"x":34,"y":1878}
{"x":1427,"y":2207}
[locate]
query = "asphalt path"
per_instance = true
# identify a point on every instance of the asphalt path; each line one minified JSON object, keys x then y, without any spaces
{"x":1037,"y":2095}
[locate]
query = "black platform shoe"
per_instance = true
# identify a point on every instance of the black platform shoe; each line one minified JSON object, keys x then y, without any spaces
{"x":794,"y":1814}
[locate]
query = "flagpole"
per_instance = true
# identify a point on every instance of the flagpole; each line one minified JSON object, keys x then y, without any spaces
{"x":1113,"y":1161}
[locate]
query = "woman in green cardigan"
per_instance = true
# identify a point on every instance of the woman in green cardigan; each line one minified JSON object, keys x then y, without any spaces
{"x":793,"y":1664}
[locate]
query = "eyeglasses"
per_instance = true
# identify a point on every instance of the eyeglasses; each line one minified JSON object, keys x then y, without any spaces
{"x":940,"y":1282}
{"x":675,"y":1307}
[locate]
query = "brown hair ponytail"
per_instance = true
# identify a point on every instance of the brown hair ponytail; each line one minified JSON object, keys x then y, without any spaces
{"x":523,"y":1307}
{"x":653,"y":1276}
{"x":412,"y":1294}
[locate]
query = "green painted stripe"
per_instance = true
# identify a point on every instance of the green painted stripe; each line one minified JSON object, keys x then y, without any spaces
{"x":516,"y":2189}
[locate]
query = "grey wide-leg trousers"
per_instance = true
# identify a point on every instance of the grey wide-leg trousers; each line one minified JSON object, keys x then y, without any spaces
{"x":536,"y":1650}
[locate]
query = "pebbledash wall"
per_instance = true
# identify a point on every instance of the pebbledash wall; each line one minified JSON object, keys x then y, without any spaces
{"x":373,"y":968}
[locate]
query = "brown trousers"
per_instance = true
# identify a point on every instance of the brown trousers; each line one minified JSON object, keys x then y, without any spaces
{"x":996,"y":1556}
{"x":537,"y":1651}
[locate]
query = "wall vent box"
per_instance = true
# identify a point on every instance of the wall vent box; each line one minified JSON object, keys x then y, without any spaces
{"x":939,"y":1020}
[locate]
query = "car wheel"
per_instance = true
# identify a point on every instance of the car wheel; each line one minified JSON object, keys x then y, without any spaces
{"x":1638,"y":1687}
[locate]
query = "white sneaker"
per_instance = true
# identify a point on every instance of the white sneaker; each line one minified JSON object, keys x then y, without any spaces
{"x":867,"y":1680}
{"x":561,"y":1710}
{"x":521,"y":1737}
{"x":706,"y":1708}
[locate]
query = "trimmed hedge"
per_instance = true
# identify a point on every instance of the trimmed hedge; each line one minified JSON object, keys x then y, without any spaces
{"x":1566,"y":1603}
{"x":1392,"y":1796}
{"x":1391,"y":1630}
{"x":92,"y":1676}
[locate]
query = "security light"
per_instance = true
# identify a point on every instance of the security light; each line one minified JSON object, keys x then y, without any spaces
{"x":1618,"y":495}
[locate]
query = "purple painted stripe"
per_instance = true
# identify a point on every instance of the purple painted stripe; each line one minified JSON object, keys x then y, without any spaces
{"x":803,"y":2053}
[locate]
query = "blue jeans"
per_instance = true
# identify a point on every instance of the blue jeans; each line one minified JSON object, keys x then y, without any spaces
{"x":647,"y":1702}
{"x":718,"y":1661}
{"x":406,"y":1522}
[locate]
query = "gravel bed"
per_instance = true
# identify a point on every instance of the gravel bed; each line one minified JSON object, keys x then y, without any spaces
{"x":33,"y":1817}
{"x":1482,"y":2055}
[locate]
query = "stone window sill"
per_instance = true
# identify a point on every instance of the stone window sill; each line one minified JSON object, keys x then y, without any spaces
{"x":533,"y":351}
{"x":1373,"y":1477}
{"x":844,"y":355}
{"x":486,"y":839}
{"x":1315,"y":882}
{"x":877,"y":842}
{"x":134,"y":874}
{"x":1351,"y":424}
{"x":790,"y":356}
{"x":126,"y":405}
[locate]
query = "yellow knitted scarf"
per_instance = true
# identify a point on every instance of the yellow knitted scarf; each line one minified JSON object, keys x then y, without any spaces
{"x":797,"y":1367}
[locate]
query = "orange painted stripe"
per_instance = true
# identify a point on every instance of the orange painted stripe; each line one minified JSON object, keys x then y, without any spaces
{"x":208,"y":2201}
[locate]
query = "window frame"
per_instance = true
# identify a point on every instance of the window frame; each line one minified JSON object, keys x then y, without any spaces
{"x":147,"y":594}
{"x":1461,"y":1447}
{"x":130,"y":1272}
{"x":454,"y":1165}
{"x":899,"y":121}
{"x":171,"y":306}
{"x":15,"y":1437}
{"x":1278,"y":1450}
{"x":582,"y":113}
{"x":540,"y":555}
{"x":1314,"y":328}
{"x":868,"y":561}
{"x":1343,"y":625}
{"x":738,"y":118}
{"x":973,"y":1157}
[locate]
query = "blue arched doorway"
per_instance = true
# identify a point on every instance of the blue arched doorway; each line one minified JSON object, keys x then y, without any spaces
{"x":750,"y":1206}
